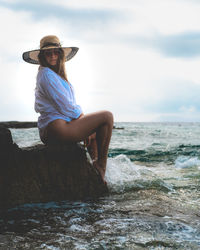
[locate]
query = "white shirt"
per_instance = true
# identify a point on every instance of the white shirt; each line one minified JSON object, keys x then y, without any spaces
{"x":54,"y":98}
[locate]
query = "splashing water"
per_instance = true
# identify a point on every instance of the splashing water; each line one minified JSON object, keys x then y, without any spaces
{"x":186,"y":162}
{"x":123,"y":175}
{"x":153,"y":174}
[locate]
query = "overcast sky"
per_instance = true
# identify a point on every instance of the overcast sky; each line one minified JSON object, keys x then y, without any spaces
{"x":139,"y":59}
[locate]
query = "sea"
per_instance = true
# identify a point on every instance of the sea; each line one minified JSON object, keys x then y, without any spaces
{"x":153,"y":176}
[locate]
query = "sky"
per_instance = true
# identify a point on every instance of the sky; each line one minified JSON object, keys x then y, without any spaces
{"x":140,"y":59}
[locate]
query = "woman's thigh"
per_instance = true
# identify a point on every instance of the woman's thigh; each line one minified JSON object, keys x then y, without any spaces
{"x":78,"y":129}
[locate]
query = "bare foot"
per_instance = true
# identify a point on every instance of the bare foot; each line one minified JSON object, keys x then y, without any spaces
{"x":100,"y":170}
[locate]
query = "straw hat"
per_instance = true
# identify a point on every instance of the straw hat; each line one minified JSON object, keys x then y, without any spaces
{"x":49,"y":42}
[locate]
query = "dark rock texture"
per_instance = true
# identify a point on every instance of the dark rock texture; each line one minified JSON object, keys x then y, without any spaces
{"x":16,"y":124}
{"x":42,"y":174}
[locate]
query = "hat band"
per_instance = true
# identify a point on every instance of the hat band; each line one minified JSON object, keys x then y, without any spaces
{"x":51,"y":44}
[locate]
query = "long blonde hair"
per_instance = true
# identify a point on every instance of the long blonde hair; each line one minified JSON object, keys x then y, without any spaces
{"x":59,"y":68}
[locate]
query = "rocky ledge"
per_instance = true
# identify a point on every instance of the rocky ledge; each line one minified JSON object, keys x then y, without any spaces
{"x":43,"y":174}
{"x":16,"y":124}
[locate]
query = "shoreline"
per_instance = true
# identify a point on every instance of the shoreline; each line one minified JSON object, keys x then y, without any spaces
{"x":17,"y":124}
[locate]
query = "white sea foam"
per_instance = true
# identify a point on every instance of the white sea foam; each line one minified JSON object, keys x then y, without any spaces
{"x":26,"y":137}
{"x":45,"y":246}
{"x":121,"y":173}
{"x":80,"y":228}
{"x":187,"y":162}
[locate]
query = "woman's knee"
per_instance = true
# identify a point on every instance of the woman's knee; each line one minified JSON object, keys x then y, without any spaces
{"x":109,"y":117}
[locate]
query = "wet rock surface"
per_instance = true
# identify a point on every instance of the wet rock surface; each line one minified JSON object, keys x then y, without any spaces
{"x":146,"y":219}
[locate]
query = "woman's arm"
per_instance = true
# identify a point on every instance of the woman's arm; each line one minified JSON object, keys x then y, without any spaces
{"x":61,"y":97}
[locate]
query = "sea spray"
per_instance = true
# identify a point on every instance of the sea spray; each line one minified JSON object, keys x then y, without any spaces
{"x":123,"y":175}
{"x":187,"y":162}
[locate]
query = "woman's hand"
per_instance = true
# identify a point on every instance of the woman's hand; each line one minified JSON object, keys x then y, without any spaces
{"x":87,"y":141}
{"x":81,"y":115}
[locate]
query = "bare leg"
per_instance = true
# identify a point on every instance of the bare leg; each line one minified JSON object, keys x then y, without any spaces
{"x":92,"y":148}
{"x":77,"y":130}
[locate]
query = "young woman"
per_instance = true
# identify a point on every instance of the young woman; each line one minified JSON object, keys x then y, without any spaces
{"x":61,"y":119}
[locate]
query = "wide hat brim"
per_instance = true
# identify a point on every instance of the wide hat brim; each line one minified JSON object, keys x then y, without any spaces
{"x":32,"y":56}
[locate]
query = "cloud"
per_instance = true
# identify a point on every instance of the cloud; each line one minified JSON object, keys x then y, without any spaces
{"x":138,"y":59}
{"x":185,"y":45}
{"x":103,"y":22}
{"x":175,"y":97}
{"x":181,"y":45}
{"x":42,"y":10}
{"x":87,"y":23}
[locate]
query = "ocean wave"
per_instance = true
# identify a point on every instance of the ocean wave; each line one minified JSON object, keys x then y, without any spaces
{"x":122,"y":175}
{"x":150,"y":154}
{"x":187,"y":162}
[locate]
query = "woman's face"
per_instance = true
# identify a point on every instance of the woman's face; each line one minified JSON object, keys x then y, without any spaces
{"x":51,"y":56}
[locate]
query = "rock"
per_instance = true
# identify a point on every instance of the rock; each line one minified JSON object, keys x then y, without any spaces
{"x":16,"y":124}
{"x":114,"y":127}
{"x":43,"y":174}
{"x":5,"y":138}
